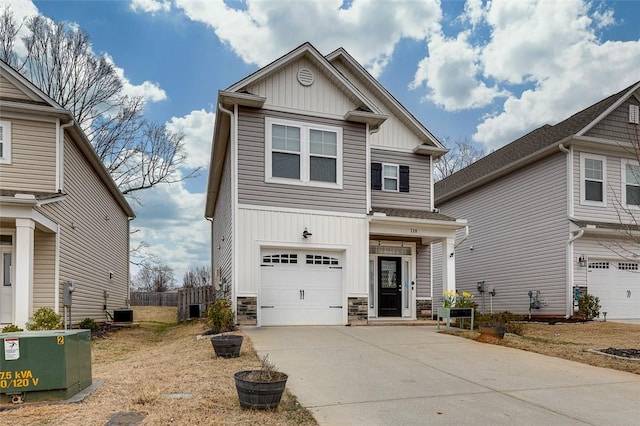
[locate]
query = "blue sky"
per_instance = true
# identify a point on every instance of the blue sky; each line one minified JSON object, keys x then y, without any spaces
{"x":489,"y":72}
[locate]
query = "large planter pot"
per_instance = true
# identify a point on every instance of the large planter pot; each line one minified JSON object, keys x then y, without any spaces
{"x":227,"y":345}
{"x":492,"y":330}
{"x":259,"y":393}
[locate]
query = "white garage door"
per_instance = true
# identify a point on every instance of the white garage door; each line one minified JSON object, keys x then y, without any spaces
{"x":301,"y":287}
{"x":617,"y":284}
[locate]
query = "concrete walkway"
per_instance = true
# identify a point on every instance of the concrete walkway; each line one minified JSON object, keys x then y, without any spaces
{"x":415,"y":376}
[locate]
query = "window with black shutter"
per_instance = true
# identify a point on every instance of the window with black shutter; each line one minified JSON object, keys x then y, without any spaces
{"x":404,"y":178}
{"x":376,"y":176}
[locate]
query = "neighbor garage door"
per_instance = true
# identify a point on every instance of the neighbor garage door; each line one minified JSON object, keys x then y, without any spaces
{"x":617,"y":284}
{"x":301,"y":287}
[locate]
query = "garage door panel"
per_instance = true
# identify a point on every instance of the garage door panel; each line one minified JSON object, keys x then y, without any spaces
{"x":617,"y":285}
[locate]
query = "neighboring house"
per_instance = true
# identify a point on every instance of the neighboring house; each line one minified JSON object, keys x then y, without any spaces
{"x":320,"y":194}
{"x":62,"y":218}
{"x":555,"y":212}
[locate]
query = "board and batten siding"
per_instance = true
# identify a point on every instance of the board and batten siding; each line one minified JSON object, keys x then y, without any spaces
{"x":393,"y":132}
{"x":600,"y":248}
{"x":33,"y":157}
{"x":419,"y":195}
{"x":436,"y":278}
{"x":282,"y":89}
{"x":615,"y":126}
{"x":284,"y":229}
{"x":94,"y":236}
{"x":614,"y":212}
{"x":9,"y":90}
{"x":252,"y":188}
{"x":44,"y":269}
{"x":423,"y":271}
{"x":519,"y":231}
{"x":222,"y":244}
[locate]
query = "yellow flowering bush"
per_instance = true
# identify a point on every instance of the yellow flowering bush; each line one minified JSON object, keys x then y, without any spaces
{"x":452,"y":299}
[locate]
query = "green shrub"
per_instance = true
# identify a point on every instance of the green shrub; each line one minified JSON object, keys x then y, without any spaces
{"x":11,"y":328}
{"x":509,"y":320}
{"x":589,"y":306}
{"x":44,"y":319}
{"x":89,"y":324}
{"x":221,"y":316}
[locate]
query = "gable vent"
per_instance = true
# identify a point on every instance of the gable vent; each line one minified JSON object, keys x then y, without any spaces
{"x":305,"y":77}
{"x":634,"y":114}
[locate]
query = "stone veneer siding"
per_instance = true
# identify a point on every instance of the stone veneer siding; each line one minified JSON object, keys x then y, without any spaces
{"x":358,"y":310}
{"x":247,"y":311}
{"x":423,"y":309}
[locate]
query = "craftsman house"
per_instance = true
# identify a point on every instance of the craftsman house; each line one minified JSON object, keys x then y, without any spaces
{"x":62,"y":218}
{"x":320,"y":197}
{"x":555,"y":214}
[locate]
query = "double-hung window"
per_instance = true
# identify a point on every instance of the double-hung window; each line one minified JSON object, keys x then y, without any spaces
{"x":390,"y":176}
{"x":5,"y":142}
{"x":303,"y":154}
{"x":631,"y":181}
{"x":593,"y":179}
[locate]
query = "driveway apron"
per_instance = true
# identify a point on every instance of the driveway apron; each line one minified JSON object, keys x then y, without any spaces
{"x":416,"y":376}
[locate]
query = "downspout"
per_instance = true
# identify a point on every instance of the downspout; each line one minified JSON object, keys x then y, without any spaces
{"x":466,"y":235}
{"x":569,"y":295}
{"x":60,"y":155}
{"x":59,"y":187}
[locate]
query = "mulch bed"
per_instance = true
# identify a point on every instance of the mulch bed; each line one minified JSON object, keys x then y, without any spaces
{"x":623,"y":353}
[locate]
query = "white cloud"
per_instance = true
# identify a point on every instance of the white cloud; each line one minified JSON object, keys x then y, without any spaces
{"x":197,"y":127}
{"x":150,"y":6}
{"x":22,"y":9}
{"x":265,"y":30}
{"x":150,"y":92}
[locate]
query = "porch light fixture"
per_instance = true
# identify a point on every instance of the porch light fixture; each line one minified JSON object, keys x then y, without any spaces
{"x":582,"y":260}
{"x":306,"y":234}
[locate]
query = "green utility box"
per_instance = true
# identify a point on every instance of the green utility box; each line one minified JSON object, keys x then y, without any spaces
{"x":44,"y":365}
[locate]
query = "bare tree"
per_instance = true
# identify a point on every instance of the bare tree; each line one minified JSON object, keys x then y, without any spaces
{"x":157,"y":278}
{"x":138,"y":154}
{"x":197,"y":277}
{"x":461,"y":154}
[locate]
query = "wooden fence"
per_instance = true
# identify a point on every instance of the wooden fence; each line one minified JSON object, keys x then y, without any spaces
{"x":152,"y":298}
{"x":193,"y":302}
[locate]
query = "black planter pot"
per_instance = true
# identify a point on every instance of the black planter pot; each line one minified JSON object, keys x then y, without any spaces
{"x":259,"y":394}
{"x":227,"y":345}
{"x":492,"y":330}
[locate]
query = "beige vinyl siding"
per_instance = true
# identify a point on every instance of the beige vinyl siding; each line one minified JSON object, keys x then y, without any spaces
{"x":423,"y":271}
{"x":418,"y":197}
{"x":9,"y":91}
{"x":604,"y":247}
{"x":253,"y":190}
{"x":33,"y":157}
{"x":44,"y":267}
{"x":94,"y":235}
{"x":614,"y":211}
{"x":519,"y":231}
{"x":615,"y":126}
{"x":282,"y":89}
{"x":393,"y":133}
{"x":222,"y":244}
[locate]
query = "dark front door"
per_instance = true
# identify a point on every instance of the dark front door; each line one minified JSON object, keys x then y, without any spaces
{"x":389,"y":285}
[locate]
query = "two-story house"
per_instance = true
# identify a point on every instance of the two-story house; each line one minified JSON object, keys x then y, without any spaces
{"x":62,"y":218}
{"x":555,"y":213}
{"x":320,"y":197}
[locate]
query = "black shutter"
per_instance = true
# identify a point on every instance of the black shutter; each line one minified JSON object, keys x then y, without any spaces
{"x":404,"y":178}
{"x":376,"y":176}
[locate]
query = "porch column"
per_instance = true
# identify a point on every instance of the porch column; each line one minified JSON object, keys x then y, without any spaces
{"x":23,"y":290}
{"x":448,"y":264}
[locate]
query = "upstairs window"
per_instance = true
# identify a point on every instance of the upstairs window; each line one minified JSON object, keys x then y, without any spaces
{"x":634,"y":114}
{"x":389,"y":177}
{"x":5,"y":142}
{"x":631,"y":190}
{"x":303,"y":154}
{"x":593,"y":174}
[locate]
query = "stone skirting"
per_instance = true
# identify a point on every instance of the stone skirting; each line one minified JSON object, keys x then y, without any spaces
{"x":423,"y":309}
{"x":247,"y":311}
{"x":358,"y":311}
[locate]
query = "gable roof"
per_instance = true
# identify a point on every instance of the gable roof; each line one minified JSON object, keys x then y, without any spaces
{"x":534,"y":145}
{"x":41,"y":103}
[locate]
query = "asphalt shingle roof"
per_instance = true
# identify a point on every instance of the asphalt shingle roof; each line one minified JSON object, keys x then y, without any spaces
{"x":413,"y":214}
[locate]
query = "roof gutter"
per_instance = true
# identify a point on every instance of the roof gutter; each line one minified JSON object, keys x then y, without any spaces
{"x":211,"y":205}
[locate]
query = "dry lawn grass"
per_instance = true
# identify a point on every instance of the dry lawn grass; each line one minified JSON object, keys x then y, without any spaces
{"x":141,"y":366}
{"x":572,"y":341}
{"x":166,"y":314}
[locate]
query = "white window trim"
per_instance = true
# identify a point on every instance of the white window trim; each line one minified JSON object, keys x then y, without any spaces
{"x":6,"y":142}
{"x":583,"y":201}
{"x":397,"y":178}
{"x":305,"y":154}
{"x":623,"y":179}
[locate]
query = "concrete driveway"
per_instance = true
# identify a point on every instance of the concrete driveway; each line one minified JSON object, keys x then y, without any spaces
{"x":415,"y":376}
